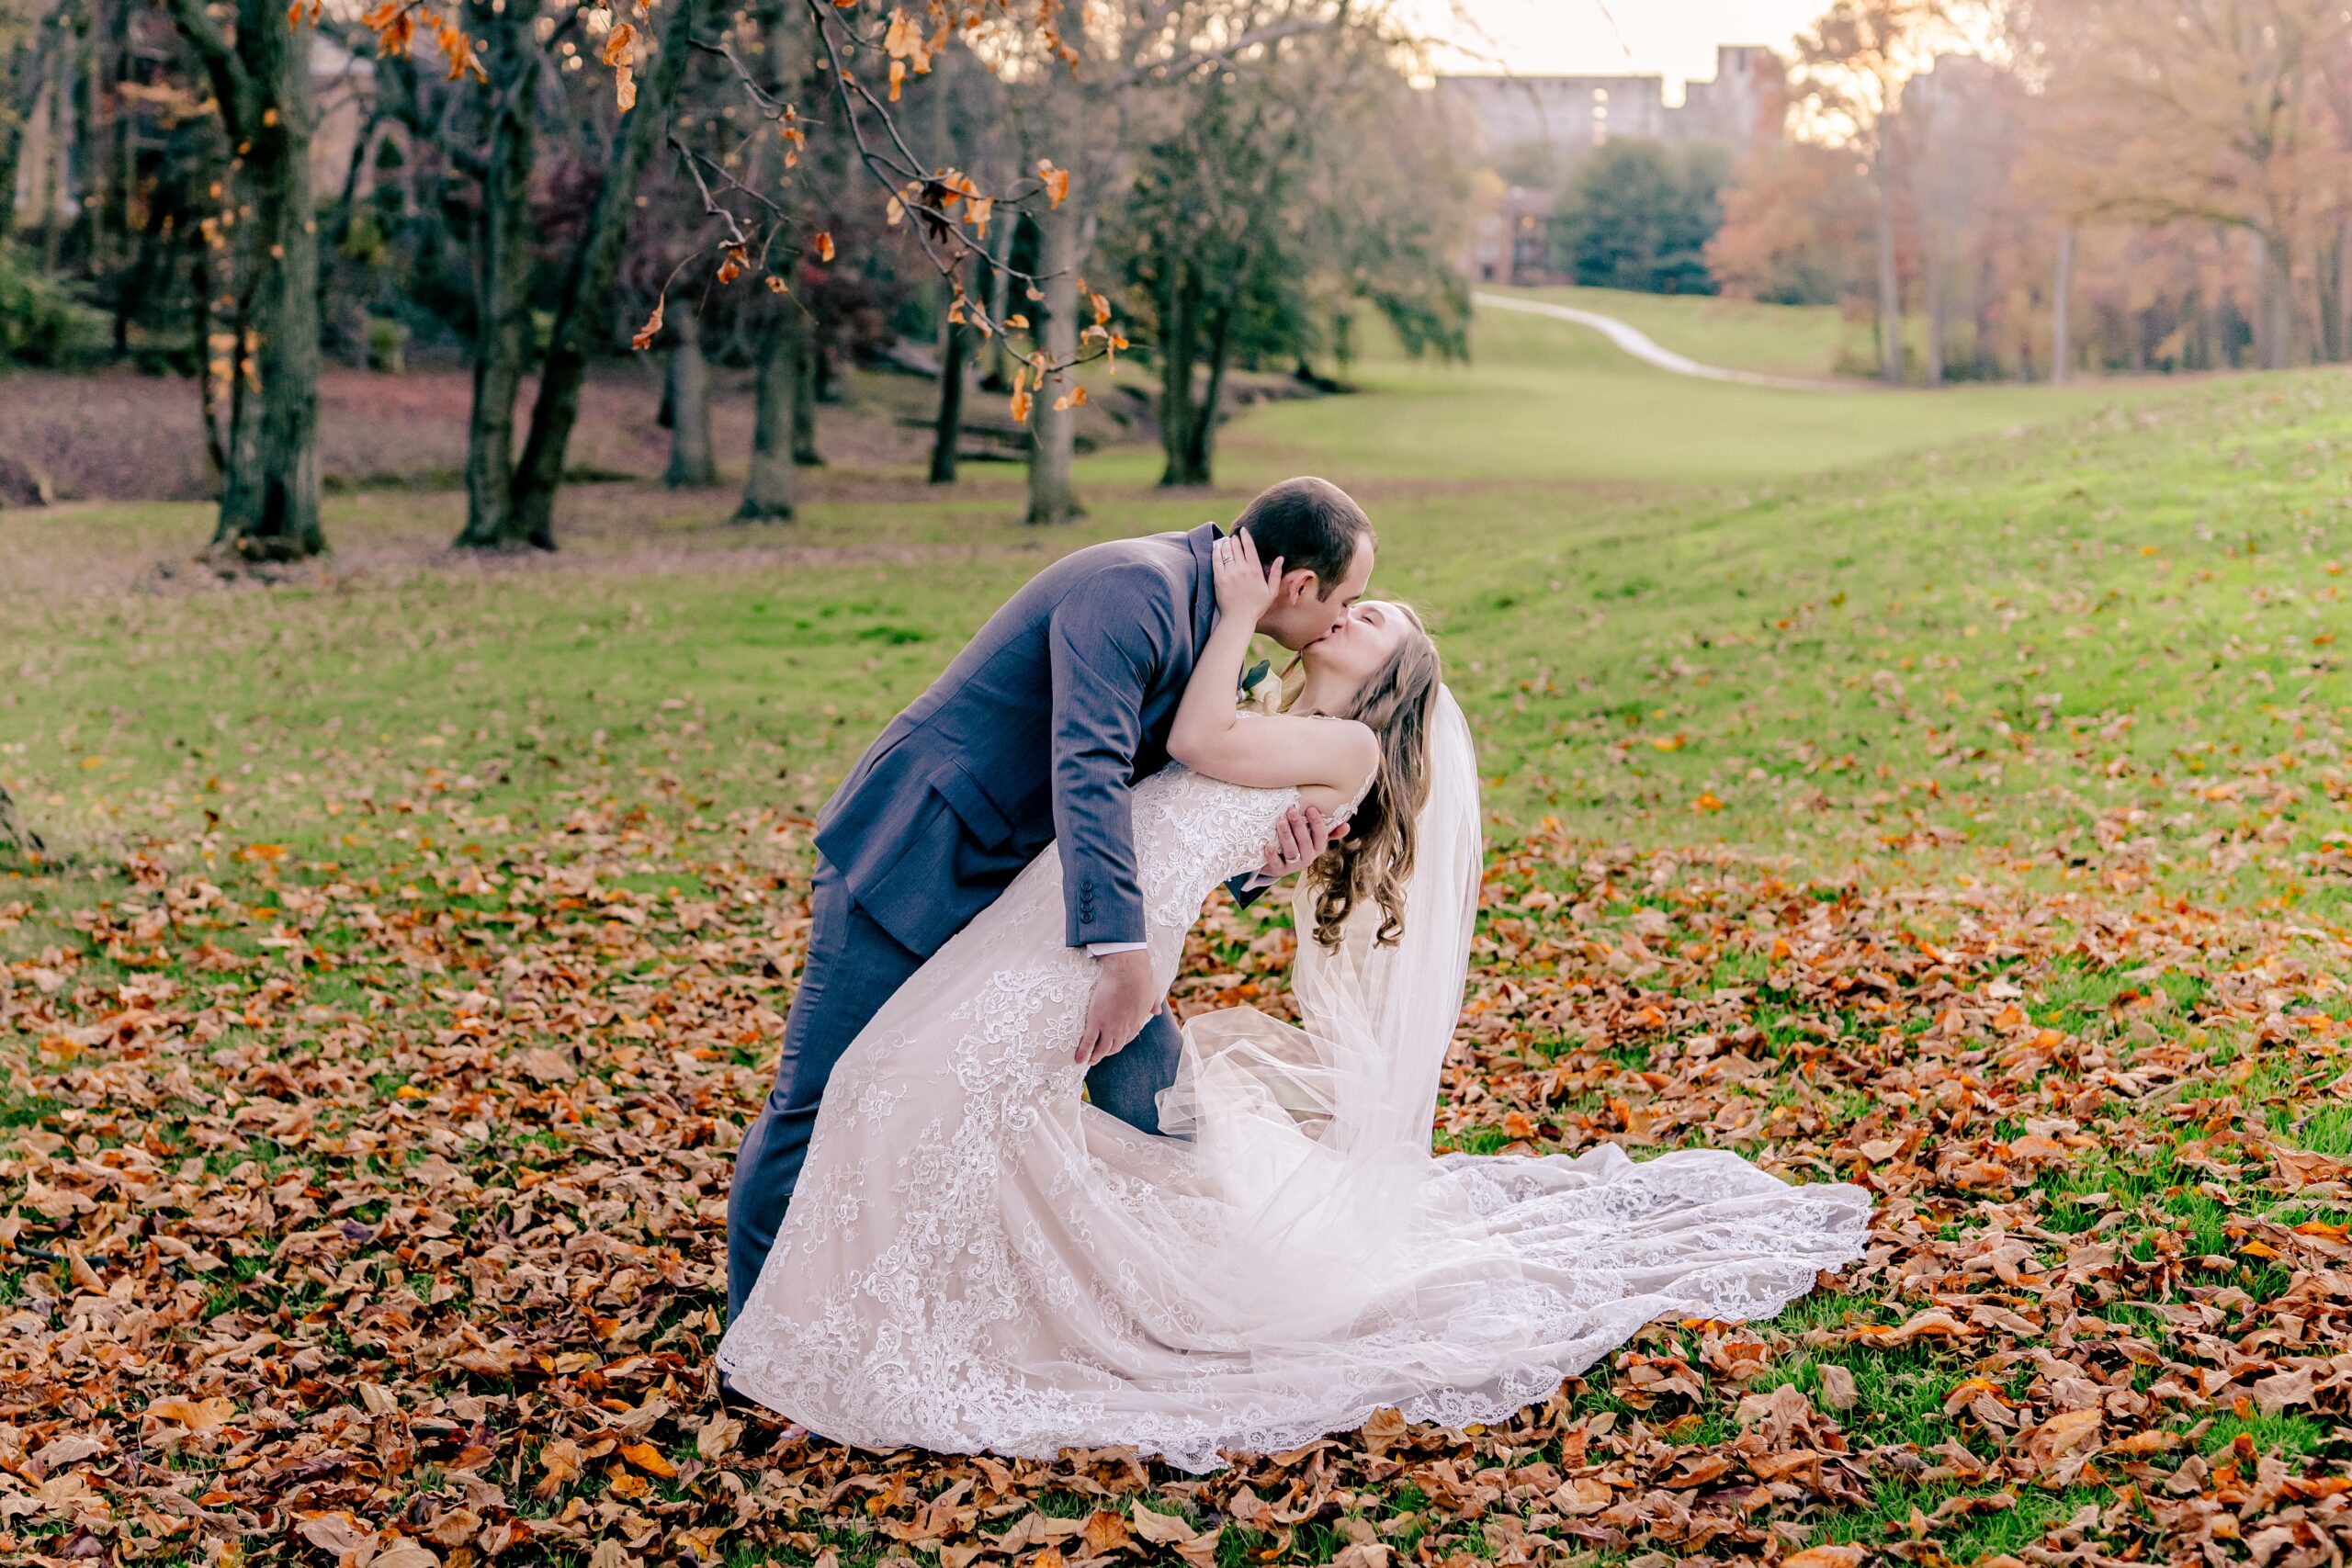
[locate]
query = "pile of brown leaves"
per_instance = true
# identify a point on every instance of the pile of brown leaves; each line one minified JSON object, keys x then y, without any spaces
{"x":377,"y":1220}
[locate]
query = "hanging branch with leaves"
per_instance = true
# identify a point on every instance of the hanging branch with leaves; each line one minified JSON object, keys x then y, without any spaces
{"x":946,"y":212}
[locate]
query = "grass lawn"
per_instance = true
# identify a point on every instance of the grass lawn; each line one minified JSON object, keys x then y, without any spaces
{"x":1786,"y":340}
{"x":1940,"y":791}
{"x":1554,"y":401}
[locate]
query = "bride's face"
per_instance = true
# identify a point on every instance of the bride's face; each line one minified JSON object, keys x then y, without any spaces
{"x":1354,"y":651}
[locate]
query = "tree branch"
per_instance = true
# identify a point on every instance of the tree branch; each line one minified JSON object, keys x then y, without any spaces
{"x":1184,"y":64}
{"x":231,"y":83}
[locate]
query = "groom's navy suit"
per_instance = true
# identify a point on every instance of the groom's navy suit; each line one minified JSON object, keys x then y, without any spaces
{"x":1033,"y":735}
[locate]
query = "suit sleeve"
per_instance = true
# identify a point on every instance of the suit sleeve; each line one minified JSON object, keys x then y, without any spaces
{"x":1107,"y":641}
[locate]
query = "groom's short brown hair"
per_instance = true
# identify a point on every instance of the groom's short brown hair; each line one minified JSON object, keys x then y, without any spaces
{"x":1312,"y":524}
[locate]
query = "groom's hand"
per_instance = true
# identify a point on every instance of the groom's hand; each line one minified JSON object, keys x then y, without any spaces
{"x":1124,"y":1000}
{"x":1300,"y":839}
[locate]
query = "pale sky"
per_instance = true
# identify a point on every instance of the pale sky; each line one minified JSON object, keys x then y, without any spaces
{"x":1675,"y":39}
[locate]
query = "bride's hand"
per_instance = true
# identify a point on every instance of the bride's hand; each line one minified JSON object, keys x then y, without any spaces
{"x":1245,"y":586}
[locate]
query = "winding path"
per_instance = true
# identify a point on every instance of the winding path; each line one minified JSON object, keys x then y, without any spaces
{"x":1647,"y":349}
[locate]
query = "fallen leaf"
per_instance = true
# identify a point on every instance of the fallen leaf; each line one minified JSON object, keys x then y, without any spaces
{"x":1827,"y":1557}
{"x":1159,"y":1529}
{"x":648,"y":1458}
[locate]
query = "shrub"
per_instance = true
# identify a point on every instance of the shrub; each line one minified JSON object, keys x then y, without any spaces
{"x":41,"y":321}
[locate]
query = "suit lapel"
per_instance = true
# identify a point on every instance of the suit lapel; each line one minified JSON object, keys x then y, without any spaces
{"x":1202,"y":542}
{"x":1200,"y":609}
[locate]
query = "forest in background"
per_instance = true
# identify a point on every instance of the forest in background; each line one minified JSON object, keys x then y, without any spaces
{"x":965,"y":191}
{"x":1005,"y":203}
{"x":2013,"y":190}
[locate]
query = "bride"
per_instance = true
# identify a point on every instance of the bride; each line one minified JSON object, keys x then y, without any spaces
{"x":977,"y":1259}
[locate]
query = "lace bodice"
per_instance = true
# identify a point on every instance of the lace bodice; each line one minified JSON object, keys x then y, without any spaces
{"x":1193,"y":833}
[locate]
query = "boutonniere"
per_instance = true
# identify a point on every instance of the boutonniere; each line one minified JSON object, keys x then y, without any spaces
{"x":1258,"y":686}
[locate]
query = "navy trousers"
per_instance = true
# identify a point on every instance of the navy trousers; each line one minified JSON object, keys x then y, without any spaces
{"x":853,"y":967}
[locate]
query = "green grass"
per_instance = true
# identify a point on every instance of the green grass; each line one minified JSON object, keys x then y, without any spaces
{"x":1553,"y":401}
{"x":2120,"y":617}
{"x":1740,"y":335}
{"x":1811,"y":341}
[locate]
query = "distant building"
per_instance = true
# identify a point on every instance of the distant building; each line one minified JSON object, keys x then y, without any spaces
{"x":1511,"y":238}
{"x":1563,"y":118}
{"x":1570,"y":115}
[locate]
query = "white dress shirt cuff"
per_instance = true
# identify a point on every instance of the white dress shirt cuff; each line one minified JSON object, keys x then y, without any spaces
{"x":1105,"y":949}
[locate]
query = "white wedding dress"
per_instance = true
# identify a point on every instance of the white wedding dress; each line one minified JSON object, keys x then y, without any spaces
{"x":977,"y":1260}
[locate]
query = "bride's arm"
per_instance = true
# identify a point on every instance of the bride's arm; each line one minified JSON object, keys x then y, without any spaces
{"x":1269,"y":752}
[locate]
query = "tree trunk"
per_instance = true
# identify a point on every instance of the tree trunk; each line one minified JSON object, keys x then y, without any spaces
{"x":14,"y":834}
{"x":691,"y":463}
{"x":207,"y":386}
{"x":140,"y":274}
{"x":1179,"y":293}
{"x":502,"y":285}
{"x":2278,"y":347}
{"x":997,"y":376}
{"x":808,"y":387}
{"x":1932,"y":280}
{"x":1200,"y":451}
{"x":1053,"y":431}
{"x":1890,"y":289}
{"x":779,"y":320}
{"x":269,"y":503}
{"x":777,"y":394}
{"x":2330,"y":300}
{"x":954,"y":353}
{"x":26,"y":72}
{"x":586,"y":285}
{"x":57,"y":127}
{"x":2062,"y":313}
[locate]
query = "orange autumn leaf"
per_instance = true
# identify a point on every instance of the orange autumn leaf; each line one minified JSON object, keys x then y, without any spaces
{"x":1827,"y":1557}
{"x":616,"y":44}
{"x":824,"y":244}
{"x":903,"y":40}
{"x":648,"y":1458}
{"x":1057,"y":181}
{"x":642,"y":339}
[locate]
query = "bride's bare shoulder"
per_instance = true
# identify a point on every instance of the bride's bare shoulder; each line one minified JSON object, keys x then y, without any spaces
{"x":1334,"y":757}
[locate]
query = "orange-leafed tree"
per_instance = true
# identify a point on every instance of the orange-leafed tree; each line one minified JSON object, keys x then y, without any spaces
{"x":1849,"y":74}
{"x":2219,"y":111}
{"x":1799,"y":218}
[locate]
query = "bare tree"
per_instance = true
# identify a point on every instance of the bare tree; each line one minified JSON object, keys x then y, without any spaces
{"x":1851,"y":71}
{"x":260,"y":72}
{"x":688,"y":396}
{"x":527,"y":519}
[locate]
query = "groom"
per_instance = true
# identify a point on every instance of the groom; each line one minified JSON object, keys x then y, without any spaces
{"x":1033,"y":735}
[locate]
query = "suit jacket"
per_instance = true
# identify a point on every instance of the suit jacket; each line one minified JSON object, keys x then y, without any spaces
{"x":1036,"y":732}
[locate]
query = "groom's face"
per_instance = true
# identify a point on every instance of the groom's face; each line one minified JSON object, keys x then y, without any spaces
{"x":1303,"y":613}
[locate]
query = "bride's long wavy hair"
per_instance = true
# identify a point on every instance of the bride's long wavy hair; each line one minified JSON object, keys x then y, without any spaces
{"x":1375,"y":860}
